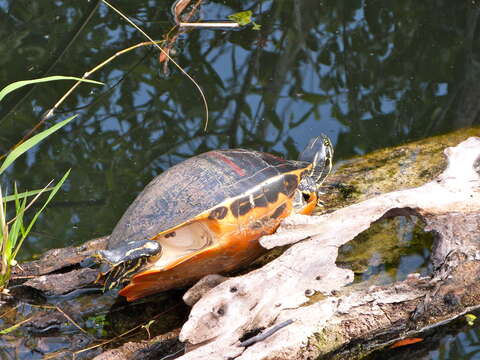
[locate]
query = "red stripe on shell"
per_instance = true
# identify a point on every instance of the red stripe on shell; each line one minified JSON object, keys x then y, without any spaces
{"x":229,"y":162}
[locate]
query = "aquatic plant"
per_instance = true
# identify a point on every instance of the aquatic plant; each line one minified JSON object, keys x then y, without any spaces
{"x":14,"y":231}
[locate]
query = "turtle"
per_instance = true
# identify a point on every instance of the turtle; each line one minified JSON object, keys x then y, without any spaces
{"x":206,"y":214}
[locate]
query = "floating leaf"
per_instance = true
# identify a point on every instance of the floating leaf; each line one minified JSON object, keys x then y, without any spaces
{"x":470,"y":318}
{"x":241,"y":18}
{"x":405,"y":342}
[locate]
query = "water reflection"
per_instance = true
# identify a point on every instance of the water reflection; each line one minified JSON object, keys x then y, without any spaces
{"x":463,"y":346}
{"x":456,"y":341}
{"x":388,"y":251}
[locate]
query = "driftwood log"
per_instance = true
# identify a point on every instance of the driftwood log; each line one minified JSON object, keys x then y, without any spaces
{"x":282,"y":290}
{"x":300,"y":305}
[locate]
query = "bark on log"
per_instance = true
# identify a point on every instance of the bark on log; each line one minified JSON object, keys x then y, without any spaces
{"x":57,"y":271}
{"x":282,"y":290}
{"x":157,"y":348}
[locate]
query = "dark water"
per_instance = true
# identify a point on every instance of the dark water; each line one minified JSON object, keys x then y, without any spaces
{"x":369,"y":74}
{"x":388,"y":251}
{"x":456,"y":341}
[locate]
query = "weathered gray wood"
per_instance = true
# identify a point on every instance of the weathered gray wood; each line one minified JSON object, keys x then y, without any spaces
{"x":280,"y":290}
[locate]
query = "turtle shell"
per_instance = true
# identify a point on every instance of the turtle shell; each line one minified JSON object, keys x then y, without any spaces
{"x":199,"y":184}
{"x":229,"y":198}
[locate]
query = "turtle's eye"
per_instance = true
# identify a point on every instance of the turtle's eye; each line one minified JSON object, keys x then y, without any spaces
{"x":306,"y":196}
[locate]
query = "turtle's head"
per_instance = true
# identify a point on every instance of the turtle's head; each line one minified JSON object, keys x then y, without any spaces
{"x":118,"y":265}
{"x":319,"y":152}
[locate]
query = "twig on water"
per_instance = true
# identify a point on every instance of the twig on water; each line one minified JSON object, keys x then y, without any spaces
{"x":166,"y":54}
{"x":71,"y":320}
{"x":221,"y":24}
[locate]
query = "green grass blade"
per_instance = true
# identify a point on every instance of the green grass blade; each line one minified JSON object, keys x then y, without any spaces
{"x":32,"y":142}
{"x":15,"y":231}
{"x":15,"y":327}
{"x":3,"y":234}
{"x":17,"y":227}
{"x":25,"y":194}
{"x":50,"y":197}
{"x":18,"y":84}
{"x":23,"y":207}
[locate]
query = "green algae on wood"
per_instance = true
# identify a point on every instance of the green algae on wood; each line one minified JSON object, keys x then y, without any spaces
{"x":327,"y":340}
{"x":390,"y":169}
